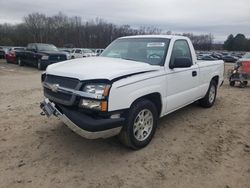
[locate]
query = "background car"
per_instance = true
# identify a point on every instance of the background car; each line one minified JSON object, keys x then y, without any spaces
{"x":12,"y":54}
{"x":67,"y":51}
{"x":245,"y":57}
{"x":229,"y":58}
{"x":207,"y":58}
{"x":98,"y":51}
{"x":2,"y":53}
{"x":81,"y":52}
{"x":40,"y":55}
{"x":217,"y":55}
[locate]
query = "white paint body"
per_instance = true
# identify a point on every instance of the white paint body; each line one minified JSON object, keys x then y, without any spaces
{"x":177,"y":87}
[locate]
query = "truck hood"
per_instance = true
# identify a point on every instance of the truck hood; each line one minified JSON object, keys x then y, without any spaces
{"x":98,"y":68}
{"x":51,"y":53}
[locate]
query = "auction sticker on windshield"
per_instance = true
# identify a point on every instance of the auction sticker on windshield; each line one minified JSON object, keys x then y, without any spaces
{"x":156,"y":44}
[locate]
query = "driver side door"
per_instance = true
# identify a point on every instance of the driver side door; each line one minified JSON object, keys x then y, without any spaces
{"x":183,"y":81}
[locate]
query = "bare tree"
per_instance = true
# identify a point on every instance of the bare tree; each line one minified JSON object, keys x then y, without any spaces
{"x":62,"y":30}
{"x":36,"y":24}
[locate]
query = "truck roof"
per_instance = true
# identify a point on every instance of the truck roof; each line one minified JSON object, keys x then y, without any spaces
{"x":157,"y":36}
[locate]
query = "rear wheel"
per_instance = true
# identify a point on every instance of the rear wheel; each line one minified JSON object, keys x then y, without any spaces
{"x":210,"y":96}
{"x":232,"y":83}
{"x":243,"y":84}
{"x":140,"y":125}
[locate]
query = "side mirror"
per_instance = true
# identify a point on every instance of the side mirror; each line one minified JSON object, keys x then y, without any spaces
{"x":181,"y":62}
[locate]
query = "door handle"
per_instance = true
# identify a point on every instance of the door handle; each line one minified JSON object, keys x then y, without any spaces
{"x":194,"y":73}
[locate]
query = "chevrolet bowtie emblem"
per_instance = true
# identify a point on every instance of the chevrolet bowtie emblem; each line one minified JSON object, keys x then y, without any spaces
{"x":54,"y":87}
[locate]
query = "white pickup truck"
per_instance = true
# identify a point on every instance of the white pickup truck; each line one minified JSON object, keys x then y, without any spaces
{"x":124,"y":91}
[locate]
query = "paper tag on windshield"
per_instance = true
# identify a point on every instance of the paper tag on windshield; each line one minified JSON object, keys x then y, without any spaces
{"x":156,"y":44}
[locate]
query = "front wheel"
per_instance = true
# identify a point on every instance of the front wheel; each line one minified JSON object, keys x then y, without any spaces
{"x":19,"y":62}
{"x":210,"y":96}
{"x":140,"y":125}
{"x":40,"y":65}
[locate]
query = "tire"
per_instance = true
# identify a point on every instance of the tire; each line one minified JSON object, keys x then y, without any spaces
{"x":19,"y":62}
{"x":40,"y":65}
{"x":72,"y":57}
{"x":232,"y":83}
{"x":210,"y":97}
{"x":243,"y":84}
{"x":138,"y":132}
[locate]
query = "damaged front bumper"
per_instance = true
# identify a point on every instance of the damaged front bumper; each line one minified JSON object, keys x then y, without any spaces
{"x":83,"y":124}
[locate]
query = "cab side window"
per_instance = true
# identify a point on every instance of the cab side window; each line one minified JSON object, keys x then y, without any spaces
{"x":34,"y":47}
{"x":29,"y":47}
{"x":180,"y":50}
{"x":78,"y":51}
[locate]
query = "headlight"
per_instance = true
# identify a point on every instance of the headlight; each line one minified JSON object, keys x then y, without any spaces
{"x":94,"y":105}
{"x":45,"y":57}
{"x":101,"y":90}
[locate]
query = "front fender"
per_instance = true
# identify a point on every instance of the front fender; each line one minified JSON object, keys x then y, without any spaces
{"x":122,"y":97}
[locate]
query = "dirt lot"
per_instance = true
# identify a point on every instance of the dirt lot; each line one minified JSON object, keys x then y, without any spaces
{"x":193,"y":147}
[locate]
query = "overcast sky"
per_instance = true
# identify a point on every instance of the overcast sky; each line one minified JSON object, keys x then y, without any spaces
{"x":219,"y":17}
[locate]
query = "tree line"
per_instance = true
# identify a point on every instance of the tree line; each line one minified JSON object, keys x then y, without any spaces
{"x":237,"y":43}
{"x":64,"y":31}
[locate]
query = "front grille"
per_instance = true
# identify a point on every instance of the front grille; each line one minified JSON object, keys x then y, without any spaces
{"x":62,"y":81}
{"x":57,"y":57}
{"x":59,"y":97}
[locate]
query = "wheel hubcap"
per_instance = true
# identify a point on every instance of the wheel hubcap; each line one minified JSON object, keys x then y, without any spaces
{"x":212,"y":94}
{"x":143,"y":125}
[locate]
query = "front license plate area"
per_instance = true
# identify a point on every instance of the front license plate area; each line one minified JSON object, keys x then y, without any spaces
{"x":48,"y":108}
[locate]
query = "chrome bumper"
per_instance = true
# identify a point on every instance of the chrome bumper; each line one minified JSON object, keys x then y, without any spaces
{"x":49,"y":109}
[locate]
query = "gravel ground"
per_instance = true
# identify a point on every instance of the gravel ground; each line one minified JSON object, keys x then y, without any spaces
{"x":193,"y":147}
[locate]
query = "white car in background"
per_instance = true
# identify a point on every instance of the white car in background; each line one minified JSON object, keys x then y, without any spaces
{"x":81,"y":52}
{"x":98,"y":51}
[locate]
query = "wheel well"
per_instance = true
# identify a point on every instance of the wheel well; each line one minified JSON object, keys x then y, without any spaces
{"x":216,"y":79}
{"x":154,"y":98}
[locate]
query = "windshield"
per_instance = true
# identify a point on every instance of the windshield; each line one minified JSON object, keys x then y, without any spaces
{"x":247,"y":56}
{"x":18,"y":49}
{"x":87,"y":51}
{"x":46,"y":47}
{"x":78,"y":51}
{"x":147,"y":50}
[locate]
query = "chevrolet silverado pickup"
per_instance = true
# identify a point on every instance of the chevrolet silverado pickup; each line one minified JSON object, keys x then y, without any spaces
{"x":124,"y":91}
{"x":40,"y":55}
